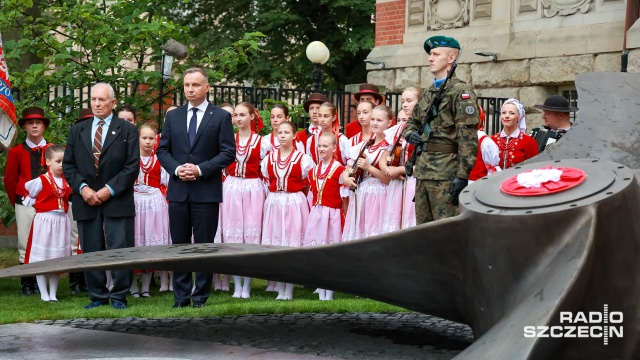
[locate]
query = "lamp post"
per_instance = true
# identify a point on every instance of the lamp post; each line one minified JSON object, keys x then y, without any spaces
{"x":318,"y":54}
{"x":170,"y":50}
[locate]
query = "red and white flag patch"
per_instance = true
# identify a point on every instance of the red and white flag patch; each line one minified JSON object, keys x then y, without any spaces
{"x":465,"y":96}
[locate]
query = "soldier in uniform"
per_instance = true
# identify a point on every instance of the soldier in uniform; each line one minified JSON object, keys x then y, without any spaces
{"x":448,"y":153}
{"x":556,"y":121}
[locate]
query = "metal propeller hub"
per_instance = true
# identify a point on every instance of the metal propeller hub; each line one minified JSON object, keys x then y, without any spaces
{"x":604,"y":179}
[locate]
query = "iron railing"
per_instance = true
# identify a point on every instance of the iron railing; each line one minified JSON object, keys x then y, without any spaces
{"x":343,"y":100}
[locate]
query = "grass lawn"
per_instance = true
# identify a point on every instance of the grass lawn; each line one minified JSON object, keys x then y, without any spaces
{"x":18,"y":308}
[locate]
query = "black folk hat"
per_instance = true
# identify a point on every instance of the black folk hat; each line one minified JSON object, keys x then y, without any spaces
{"x":85,"y":114}
{"x":33,"y":113}
{"x":557,"y":103}
{"x":368,"y":89}
{"x":314,"y":98}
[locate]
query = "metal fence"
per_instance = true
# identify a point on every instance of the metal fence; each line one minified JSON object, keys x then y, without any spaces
{"x":343,"y":100}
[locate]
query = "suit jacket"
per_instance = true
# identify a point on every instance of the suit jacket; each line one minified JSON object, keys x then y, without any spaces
{"x":213,"y":149}
{"x":118,"y":167}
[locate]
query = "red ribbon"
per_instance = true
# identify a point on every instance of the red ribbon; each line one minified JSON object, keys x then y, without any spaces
{"x":44,"y":148}
{"x":257,"y":125}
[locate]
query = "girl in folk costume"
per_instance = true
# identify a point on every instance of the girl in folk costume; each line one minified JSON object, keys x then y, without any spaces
{"x":364,"y":111}
{"x":243,"y":190}
{"x":328,"y":122}
{"x":50,"y":235}
{"x":367,"y":205}
{"x":152,"y":212}
{"x":286,"y":210}
{"x":326,"y":218}
{"x":401,"y":210}
{"x":488,"y":155}
{"x":514,"y":145}
{"x":280,"y":114}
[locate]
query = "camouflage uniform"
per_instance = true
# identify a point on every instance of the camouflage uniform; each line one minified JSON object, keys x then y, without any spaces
{"x":456,"y":124}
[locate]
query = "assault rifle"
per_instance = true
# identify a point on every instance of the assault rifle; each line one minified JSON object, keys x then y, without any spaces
{"x":432,"y":113}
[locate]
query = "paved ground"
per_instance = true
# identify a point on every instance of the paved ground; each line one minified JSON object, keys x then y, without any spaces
{"x":346,"y":336}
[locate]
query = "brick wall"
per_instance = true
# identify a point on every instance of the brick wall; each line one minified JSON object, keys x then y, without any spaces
{"x":390,"y":22}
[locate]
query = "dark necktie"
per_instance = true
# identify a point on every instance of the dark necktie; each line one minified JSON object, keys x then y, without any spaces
{"x":193,"y":126}
{"x":97,"y":144}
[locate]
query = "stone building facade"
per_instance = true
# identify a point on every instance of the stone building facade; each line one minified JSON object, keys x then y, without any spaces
{"x":540,"y":45}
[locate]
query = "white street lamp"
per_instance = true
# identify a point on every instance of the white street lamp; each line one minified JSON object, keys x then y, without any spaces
{"x":318,"y":54}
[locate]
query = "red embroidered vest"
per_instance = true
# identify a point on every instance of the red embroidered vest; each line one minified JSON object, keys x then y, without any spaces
{"x":288,"y":179}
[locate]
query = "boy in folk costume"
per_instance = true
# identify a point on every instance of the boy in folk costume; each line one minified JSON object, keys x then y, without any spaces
{"x":50,"y":235}
{"x":326,"y":217}
{"x":286,"y":210}
{"x":367,"y":92}
{"x":23,"y":164}
{"x":311,"y":107}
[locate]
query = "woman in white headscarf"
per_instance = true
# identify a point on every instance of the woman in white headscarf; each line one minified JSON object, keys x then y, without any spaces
{"x":513,"y":144}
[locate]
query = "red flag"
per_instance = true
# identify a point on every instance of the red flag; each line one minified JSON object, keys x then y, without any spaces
{"x":7,"y":108}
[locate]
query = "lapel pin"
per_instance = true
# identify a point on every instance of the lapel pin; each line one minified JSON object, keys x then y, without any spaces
{"x":113,"y":132}
{"x":210,"y":112}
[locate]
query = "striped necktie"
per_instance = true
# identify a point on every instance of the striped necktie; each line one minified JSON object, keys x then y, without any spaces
{"x":97,"y":144}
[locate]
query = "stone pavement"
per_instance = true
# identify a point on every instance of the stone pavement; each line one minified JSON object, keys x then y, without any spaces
{"x":289,"y":336}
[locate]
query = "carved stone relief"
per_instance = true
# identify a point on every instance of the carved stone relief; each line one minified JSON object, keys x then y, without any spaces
{"x":416,"y":12}
{"x":447,"y":14}
{"x":565,"y":7}
{"x":482,"y":9}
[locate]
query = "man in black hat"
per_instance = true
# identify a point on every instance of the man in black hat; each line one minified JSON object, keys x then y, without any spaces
{"x":23,"y":164}
{"x":448,"y":150}
{"x":556,"y":121}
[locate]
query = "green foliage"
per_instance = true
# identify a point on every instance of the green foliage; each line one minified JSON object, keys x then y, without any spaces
{"x":82,"y":42}
{"x":345,"y":26}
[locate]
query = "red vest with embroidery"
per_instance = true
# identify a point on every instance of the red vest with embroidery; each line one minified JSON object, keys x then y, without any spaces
{"x":151,"y":176}
{"x":47,"y":200}
{"x":289,"y":181}
{"x":329,"y":196}
{"x":249,"y":166}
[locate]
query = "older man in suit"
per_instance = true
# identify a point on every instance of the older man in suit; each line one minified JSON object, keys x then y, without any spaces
{"x":101,"y":163}
{"x":197,"y":142}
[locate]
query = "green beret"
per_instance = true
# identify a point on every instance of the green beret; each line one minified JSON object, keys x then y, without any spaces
{"x":440,"y":41}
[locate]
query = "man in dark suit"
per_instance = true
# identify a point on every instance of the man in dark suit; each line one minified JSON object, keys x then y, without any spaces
{"x":101,"y":163}
{"x":197,"y":142}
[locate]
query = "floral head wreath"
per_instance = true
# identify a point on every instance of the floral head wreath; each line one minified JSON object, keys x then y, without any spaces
{"x":257,"y":124}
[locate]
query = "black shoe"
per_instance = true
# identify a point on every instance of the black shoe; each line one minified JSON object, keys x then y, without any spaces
{"x":198,"y":304}
{"x":27,"y":290}
{"x":180,"y":305}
